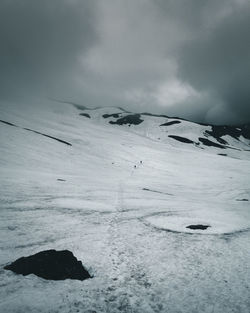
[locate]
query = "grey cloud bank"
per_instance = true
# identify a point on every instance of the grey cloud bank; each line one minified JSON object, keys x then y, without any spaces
{"x":185,"y":58}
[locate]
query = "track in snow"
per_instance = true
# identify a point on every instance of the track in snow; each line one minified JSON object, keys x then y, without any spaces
{"x":127,"y":268}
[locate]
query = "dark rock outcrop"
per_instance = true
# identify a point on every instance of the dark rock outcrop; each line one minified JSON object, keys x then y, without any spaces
{"x":37,"y":132}
{"x":198,"y":226}
{"x":8,"y":123}
{"x":234,"y":131}
{"x":181,"y":139}
{"x":51,"y":137}
{"x":50,"y":264}
{"x":170,"y":123}
{"x":210,"y":143}
{"x":85,"y":115}
{"x":134,"y":119}
{"x":115,"y":115}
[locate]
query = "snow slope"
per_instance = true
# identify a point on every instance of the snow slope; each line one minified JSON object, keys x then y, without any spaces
{"x":126,"y":224}
{"x":162,"y":127}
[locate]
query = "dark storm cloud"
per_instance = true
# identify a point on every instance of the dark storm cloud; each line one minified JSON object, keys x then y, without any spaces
{"x":41,"y":42}
{"x":179,"y":57}
{"x":217,"y":61}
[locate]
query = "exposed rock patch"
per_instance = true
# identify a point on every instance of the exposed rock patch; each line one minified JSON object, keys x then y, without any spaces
{"x":134,"y":119}
{"x":156,"y":191}
{"x":181,"y":139}
{"x":115,"y":115}
{"x":234,"y":131}
{"x":51,"y":137}
{"x":210,"y":143}
{"x":8,"y":123}
{"x":50,"y":264}
{"x":85,"y":114}
{"x":39,"y":133}
{"x":170,"y":123}
{"x":198,"y":226}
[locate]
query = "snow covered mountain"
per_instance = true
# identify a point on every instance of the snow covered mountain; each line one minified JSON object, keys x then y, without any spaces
{"x":121,"y":191}
{"x":157,"y":127}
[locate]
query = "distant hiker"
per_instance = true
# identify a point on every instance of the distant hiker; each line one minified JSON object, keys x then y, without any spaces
{"x":140,"y":162}
{"x":134,"y":166}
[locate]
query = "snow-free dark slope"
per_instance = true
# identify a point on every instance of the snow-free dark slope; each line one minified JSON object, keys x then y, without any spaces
{"x":162,"y":225}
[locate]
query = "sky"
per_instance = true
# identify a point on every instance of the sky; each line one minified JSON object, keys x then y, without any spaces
{"x":186,"y":58}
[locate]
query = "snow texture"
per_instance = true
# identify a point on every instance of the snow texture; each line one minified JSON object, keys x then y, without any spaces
{"x":127,"y":225}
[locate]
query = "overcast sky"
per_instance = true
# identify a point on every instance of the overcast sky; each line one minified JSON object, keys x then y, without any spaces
{"x":187,"y":58}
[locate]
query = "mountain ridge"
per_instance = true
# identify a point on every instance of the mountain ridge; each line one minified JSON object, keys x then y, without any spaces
{"x":218,"y":136}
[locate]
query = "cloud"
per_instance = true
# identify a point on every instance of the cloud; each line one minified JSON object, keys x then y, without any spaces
{"x":41,"y":42}
{"x":178,"y":57}
{"x":218,"y":61}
